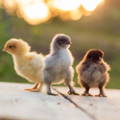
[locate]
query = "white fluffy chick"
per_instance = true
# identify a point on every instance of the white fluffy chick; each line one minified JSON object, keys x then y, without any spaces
{"x":58,"y":63}
{"x":27,"y":64}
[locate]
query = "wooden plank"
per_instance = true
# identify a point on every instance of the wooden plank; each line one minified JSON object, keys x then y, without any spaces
{"x":16,"y":104}
{"x":102,"y":108}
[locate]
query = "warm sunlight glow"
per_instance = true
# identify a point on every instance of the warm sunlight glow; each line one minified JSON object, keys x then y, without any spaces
{"x":90,"y":5}
{"x":66,"y":5}
{"x":34,"y":12}
{"x":39,"y":11}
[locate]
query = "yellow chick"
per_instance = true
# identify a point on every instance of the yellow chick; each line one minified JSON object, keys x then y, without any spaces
{"x":27,"y":64}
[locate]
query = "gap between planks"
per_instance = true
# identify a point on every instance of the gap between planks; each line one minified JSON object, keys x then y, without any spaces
{"x":92,"y":117}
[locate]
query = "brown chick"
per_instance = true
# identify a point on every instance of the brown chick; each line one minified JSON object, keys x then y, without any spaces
{"x":27,"y":64}
{"x":93,"y":72}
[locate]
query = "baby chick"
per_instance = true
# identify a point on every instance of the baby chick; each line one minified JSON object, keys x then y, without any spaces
{"x":27,"y":64}
{"x":58,"y":63}
{"x":93,"y":72}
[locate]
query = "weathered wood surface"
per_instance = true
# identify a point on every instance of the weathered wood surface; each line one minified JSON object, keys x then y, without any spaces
{"x":99,"y":108}
{"x":17,"y":104}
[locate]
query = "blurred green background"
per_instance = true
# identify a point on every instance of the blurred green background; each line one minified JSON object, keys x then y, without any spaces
{"x":99,"y":30}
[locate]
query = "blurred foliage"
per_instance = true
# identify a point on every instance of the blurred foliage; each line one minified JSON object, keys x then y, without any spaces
{"x":99,"y":30}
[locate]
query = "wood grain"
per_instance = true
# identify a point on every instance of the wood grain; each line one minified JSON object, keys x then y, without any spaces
{"x":17,"y":104}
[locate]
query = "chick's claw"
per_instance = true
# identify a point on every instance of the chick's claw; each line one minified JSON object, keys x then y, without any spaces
{"x":32,"y":90}
{"x":72,"y":93}
{"x":86,"y":94}
{"x":53,"y":94}
{"x":101,"y":95}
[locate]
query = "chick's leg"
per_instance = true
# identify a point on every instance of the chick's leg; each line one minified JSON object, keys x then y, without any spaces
{"x":86,"y":92}
{"x":68,"y":81}
{"x":71,"y":90}
{"x":35,"y":88}
{"x":87,"y":88}
{"x":102,"y":94}
{"x":49,"y":92}
{"x":101,"y":89}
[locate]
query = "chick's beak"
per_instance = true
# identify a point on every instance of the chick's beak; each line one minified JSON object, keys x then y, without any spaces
{"x":4,"y":49}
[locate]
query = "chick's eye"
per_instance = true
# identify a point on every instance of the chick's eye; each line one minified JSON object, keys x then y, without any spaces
{"x":10,"y":46}
{"x":62,"y":41}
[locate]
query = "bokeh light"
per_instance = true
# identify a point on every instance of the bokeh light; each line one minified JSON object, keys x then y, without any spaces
{"x":39,"y":11}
